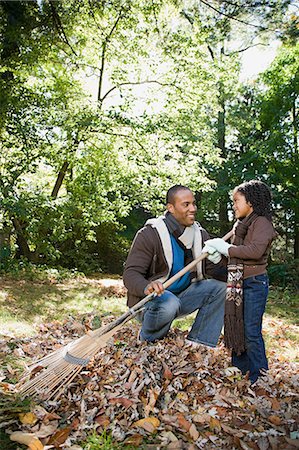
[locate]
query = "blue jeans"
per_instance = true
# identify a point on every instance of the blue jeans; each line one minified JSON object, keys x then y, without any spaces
{"x":255,"y":293}
{"x":205,"y":296}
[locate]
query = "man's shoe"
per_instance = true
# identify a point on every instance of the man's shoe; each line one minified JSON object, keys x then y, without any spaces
{"x":198,"y":345}
{"x":194,"y":344}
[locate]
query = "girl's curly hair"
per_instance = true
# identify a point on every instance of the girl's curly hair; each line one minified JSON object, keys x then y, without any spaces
{"x":259,"y":195}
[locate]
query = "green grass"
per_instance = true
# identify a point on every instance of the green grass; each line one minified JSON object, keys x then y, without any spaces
{"x":10,"y":407}
{"x":104,"y":441}
{"x":283,"y":303}
{"x":7,"y":444}
{"x":26,"y":303}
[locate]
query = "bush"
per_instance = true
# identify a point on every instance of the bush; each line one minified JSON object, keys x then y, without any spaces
{"x":285,"y":274}
{"x":22,"y":269}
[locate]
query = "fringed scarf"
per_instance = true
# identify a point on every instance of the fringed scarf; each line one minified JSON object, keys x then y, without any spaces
{"x":233,"y":316}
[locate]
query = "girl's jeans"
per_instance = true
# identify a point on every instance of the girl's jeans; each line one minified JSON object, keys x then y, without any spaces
{"x":205,"y":296}
{"x":254,"y":359}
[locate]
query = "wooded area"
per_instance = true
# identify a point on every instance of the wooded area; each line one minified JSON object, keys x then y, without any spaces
{"x":81,"y":170}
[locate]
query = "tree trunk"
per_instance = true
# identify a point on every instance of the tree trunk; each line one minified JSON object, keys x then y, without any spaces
{"x":295,"y":140}
{"x":60,"y":179}
{"x":222,"y":177}
{"x":296,"y":244}
{"x":5,"y":246}
{"x":22,"y":241}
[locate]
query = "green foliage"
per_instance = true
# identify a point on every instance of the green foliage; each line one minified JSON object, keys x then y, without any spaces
{"x":24,"y":270}
{"x":75,"y":167}
{"x":104,"y":441}
{"x":10,"y":407}
{"x":5,"y":441}
{"x":264,"y":141}
{"x":285,"y":275}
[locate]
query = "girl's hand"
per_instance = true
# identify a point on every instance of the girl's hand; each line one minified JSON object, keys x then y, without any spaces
{"x":216,"y":244}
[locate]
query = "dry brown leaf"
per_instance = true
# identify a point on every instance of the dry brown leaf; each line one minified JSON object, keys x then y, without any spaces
{"x":59,"y":437}
{"x":275,"y":420}
{"x":293,"y":442}
{"x":247,"y":427}
{"x":29,"y":439}
{"x":75,"y":423}
{"x":126,"y":402}
{"x":6,"y":387}
{"x":28,"y":418}
{"x":149,"y":424}
{"x":167,"y":372}
{"x":177,"y":445}
{"x":50,"y":416}
{"x":153,"y":396}
{"x":183,"y":423}
{"x":193,"y":432}
{"x":134,"y":440}
{"x":232,"y":431}
{"x":275,"y":404}
{"x":102,"y":420}
{"x":215,"y":424}
{"x":47,"y":430}
{"x":250,"y":444}
{"x":191,"y":385}
{"x":222,"y":412}
{"x":273,"y":441}
{"x":202,"y":418}
{"x":30,"y":349}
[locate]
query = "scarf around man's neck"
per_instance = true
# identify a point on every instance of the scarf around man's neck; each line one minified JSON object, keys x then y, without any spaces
{"x":184,"y":236}
{"x":233,"y":316}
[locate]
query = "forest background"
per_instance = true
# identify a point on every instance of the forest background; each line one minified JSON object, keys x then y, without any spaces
{"x":105,"y":104}
{"x":80,"y":172}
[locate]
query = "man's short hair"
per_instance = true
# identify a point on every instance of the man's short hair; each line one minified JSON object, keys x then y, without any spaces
{"x":172,"y":192}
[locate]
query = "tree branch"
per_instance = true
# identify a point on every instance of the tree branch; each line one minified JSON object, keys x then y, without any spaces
{"x":244,"y":49}
{"x":211,"y":52}
{"x":59,"y":26}
{"x":136,"y":83}
{"x":127,"y":136}
{"x":104,"y":48}
{"x":234,"y":18}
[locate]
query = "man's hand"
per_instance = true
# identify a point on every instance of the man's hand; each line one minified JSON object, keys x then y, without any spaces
{"x":216,"y":244}
{"x":154,"y":286}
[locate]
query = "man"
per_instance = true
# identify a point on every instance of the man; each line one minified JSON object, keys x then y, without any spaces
{"x":163,"y":247}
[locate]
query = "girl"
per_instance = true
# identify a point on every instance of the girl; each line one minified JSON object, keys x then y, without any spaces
{"x":247,"y":287}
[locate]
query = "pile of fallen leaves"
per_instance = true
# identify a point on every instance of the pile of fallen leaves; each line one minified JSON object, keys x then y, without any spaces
{"x":165,"y":394}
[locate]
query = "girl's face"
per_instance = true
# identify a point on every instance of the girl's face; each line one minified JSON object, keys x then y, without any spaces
{"x":241,"y":207}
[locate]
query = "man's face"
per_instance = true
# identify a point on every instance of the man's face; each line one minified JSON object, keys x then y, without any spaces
{"x":183,"y":208}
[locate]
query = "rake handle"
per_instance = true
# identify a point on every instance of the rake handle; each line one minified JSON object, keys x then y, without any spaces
{"x":136,"y":308}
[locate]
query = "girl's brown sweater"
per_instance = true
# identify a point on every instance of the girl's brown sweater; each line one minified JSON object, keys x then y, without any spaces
{"x":256,"y":247}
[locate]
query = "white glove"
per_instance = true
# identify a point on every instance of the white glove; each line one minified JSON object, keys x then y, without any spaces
{"x":218,"y":244}
{"x":214,"y":256}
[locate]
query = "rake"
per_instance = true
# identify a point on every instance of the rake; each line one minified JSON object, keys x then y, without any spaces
{"x":63,"y":365}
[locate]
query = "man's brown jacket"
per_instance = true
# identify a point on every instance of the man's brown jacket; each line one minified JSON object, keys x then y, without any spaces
{"x":146,"y":262}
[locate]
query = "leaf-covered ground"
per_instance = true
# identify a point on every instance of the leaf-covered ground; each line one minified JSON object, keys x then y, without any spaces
{"x":161,"y":396}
